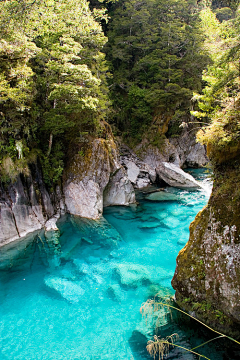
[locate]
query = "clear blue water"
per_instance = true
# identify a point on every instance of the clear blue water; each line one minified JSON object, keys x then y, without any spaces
{"x":82,"y":301}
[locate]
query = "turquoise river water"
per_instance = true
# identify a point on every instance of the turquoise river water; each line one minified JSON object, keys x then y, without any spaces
{"x":82,"y":300}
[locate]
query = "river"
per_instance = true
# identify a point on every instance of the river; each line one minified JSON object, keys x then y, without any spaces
{"x":82,"y":301}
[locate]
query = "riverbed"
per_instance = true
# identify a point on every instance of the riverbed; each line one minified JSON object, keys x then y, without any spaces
{"x":82,"y":299}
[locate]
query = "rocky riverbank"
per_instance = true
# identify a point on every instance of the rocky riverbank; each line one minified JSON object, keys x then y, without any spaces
{"x":105,"y":174}
{"x":207,"y":278}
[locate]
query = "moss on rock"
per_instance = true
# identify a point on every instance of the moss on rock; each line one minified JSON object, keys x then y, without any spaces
{"x":207,"y":271}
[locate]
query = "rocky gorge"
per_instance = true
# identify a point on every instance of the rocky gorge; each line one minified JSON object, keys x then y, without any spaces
{"x":106,"y":174}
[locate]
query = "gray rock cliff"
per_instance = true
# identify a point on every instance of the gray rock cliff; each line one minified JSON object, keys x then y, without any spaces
{"x":96,"y":179}
{"x":25,"y":206}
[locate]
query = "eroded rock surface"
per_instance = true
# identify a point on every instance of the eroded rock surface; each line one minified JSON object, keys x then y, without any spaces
{"x":154,"y":156}
{"x":96,"y":179}
{"x":207,"y":276}
{"x":25,"y":206}
{"x":139,"y":172}
{"x":190,"y":153}
{"x":119,"y":190}
{"x":174,"y":176}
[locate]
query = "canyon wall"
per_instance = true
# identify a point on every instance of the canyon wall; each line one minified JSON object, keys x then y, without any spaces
{"x":207,"y":276}
{"x":104,"y":174}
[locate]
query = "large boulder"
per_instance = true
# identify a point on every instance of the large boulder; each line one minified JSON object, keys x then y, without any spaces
{"x":174,"y":176}
{"x":84,"y":198}
{"x":96,"y":179}
{"x":119,"y":190}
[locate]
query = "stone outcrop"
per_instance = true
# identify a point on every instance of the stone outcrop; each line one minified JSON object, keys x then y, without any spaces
{"x":139,"y":172}
{"x":155,"y":155}
{"x":96,"y":179}
{"x":207,"y":276}
{"x":119,"y":190}
{"x":148,"y":165}
{"x":190,"y":153}
{"x":176,"y":177}
{"x":25,"y":206}
{"x":182,"y":151}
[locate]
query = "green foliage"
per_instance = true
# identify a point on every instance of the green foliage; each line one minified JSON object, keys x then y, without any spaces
{"x":220,"y":102}
{"x":155,"y":54}
{"x":52,"y":77}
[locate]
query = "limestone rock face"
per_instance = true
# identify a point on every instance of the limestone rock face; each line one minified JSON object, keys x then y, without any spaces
{"x":190,"y":153}
{"x":25,"y":206}
{"x":96,"y":179}
{"x":174,"y":176}
{"x":84,"y":198}
{"x":154,"y":156}
{"x":139,"y":172}
{"x":119,"y":190}
{"x":207,"y":269}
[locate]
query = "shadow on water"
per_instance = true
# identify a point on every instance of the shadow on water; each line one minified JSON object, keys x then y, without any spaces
{"x":137,"y":343}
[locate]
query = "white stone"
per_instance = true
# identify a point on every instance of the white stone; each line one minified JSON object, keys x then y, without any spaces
{"x":84,"y":199}
{"x":142,"y":183}
{"x":174,"y":176}
{"x":51,"y":224}
{"x":119,"y":191}
{"x":132,"y":171}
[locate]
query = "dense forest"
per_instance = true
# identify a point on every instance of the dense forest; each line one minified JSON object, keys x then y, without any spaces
{"x":67,"y":65}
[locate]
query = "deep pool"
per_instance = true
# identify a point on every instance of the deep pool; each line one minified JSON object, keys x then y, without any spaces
{"x":82,"y":301}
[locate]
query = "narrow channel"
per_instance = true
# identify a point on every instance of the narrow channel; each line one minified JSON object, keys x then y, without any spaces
{"x":83,"y":301}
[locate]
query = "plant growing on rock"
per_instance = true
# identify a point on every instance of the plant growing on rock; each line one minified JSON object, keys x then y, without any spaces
{"x":159,"y":347}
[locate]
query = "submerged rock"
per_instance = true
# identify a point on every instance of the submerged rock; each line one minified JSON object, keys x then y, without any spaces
{"x":115,"y":292}
{"x":86,"y":240}
{"x":66,"y":288}
{"x":132,"y":275}
{"x":150,"y":225}
{"x":174,"y":176}
{"x":162,"y":196}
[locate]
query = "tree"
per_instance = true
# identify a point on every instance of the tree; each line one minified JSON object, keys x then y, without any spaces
{"x":53,"y":48}
{"x":156,"y":58}
{"x":220,"y":101}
